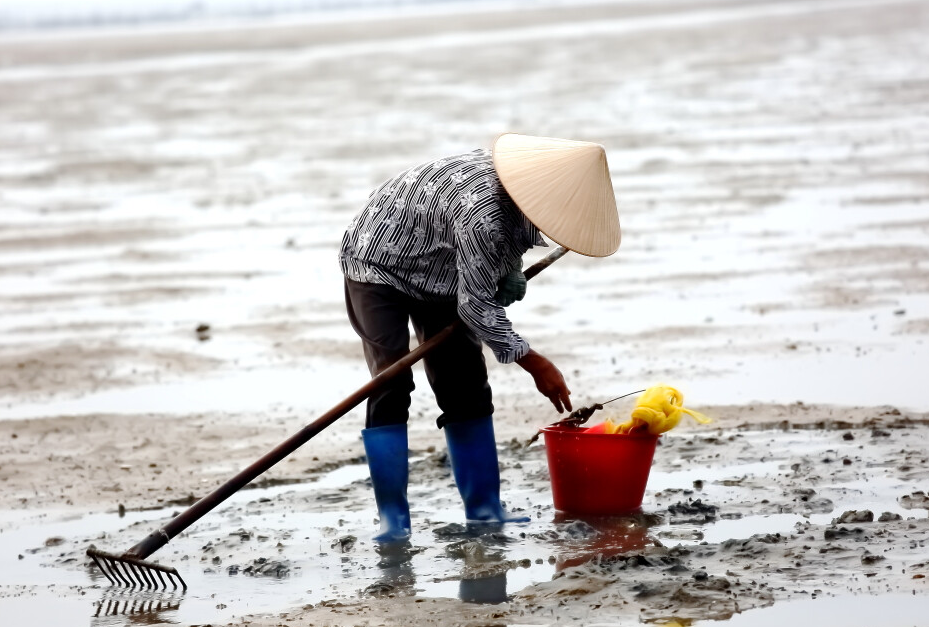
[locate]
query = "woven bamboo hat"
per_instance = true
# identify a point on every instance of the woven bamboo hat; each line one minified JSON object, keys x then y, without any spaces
{"x":563,"y":187}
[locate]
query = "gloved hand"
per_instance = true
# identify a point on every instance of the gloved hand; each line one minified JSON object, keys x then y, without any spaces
{"x":512,"y":287}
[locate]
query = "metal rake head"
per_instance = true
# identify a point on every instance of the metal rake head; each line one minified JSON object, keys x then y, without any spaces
{"x":130,"y":571}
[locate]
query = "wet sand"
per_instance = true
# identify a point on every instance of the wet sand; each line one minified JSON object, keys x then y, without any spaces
{"x":770,"y":162}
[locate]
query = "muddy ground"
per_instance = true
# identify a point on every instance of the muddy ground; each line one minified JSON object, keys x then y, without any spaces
{"x":771,"y":503}
{"x":172,"y":204}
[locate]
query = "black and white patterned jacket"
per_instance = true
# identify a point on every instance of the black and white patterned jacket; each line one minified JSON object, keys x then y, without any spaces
{"x":445,"y":230}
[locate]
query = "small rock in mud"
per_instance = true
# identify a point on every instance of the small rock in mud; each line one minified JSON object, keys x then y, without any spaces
{"x":836,"y":533}
{"x":643,"y":591}
{"x":681,"y":534}
{"x":497,"y":538}
{"x":639,"y":560}
{"x":812,"y":503}
{"x":263,"y":567}
{"x":889,"y":517}
{"x":869,"y":558}
{"x":916,"y":500}
{"x":54,"y":541}
{"x":451,"y":530}
{"x":380,"y":589}
{"x":203,"y":332}
{"x":242,"y":534}
{"x":692,"y":512}
{"x":345,"y":543}
{"x":854,"y":516}
{"x":754,"y":545}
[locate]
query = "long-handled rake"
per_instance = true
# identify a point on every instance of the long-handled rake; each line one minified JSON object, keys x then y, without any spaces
{"x":131,"y":569}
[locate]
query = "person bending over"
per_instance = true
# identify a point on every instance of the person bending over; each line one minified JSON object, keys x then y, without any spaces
{"x":443,"y":241}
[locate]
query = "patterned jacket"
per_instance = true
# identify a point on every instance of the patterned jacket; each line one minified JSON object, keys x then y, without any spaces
{"x":445,"y":230}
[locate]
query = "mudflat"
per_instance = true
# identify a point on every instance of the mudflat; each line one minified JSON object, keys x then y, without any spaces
{"x":173,"y":202}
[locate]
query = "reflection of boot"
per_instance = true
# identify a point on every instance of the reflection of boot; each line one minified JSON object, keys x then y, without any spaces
{"x":473,"y":453}
{"x":397,"y":575}
{"x":490,"y":589}
{"x":387,"y":452}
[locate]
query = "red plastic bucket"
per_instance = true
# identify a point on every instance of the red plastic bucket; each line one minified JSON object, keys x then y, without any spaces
{"x":598,"y":473}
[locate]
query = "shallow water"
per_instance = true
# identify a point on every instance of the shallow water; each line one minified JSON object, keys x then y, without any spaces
{"x":289,"y":524}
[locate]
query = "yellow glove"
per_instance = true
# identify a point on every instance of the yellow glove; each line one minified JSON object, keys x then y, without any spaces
{"x":658,"y":410}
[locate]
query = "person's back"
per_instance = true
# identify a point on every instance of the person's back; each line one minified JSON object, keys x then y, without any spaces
{"x":408,"y":235}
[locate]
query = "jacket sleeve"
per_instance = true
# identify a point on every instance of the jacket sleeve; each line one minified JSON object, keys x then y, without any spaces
{"x":480,"y":265}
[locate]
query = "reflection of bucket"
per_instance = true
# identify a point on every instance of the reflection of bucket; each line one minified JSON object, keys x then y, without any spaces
{"x":598,"y":473}
{"x":611,"y":535}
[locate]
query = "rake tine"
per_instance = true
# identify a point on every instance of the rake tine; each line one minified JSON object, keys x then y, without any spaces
{"x":114,"y":566}
{"x":161,"y":579}
{"x":123,"y":574}
{"x":179,"y":578}
{"x":133,"y":575}
{"x":114,"y":572}
{"x":102,"y":569}
{"x":151,"y":576}
{"x":155,"y":584}
{"x":140,"y":574}
{"x":145,"y":576}
{"x":127,"y":576}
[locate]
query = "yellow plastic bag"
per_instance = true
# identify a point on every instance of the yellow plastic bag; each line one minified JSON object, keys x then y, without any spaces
{"x":658,"y":410}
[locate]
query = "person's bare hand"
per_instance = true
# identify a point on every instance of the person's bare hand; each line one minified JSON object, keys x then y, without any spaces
{"x":548,"y":379}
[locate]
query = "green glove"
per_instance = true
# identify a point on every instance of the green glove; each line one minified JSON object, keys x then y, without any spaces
{"x":512,"y":287}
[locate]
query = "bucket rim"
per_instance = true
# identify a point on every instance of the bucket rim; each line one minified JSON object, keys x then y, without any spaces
{"x":582,"y":431}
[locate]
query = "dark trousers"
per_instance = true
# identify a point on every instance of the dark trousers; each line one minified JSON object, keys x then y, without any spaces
{"x":456,"y":371}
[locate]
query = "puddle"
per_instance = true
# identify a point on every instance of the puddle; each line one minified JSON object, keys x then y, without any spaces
{"x":213,"y":559}
{"x":230,"y":392}
{"x":267,"y":550}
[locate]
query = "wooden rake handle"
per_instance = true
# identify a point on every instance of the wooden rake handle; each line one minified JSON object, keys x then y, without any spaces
{"x":182,"y":521}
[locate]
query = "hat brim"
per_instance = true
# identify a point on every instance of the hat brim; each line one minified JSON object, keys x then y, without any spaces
{"x":564,"y":188}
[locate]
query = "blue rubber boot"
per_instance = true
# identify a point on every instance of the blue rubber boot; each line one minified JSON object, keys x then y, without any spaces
{"x":387,"y":450}
{"x":472,"y":450}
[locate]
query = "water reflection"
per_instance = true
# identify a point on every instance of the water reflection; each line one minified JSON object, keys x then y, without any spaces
{"x":584,"y":538}
{"x":118,"y":607}
{"x":489,"y":589}
{"x":481,"y":550}
{"x":395,"y":563}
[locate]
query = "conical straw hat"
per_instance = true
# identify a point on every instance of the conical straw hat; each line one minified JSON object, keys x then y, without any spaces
{"x":564,"y":189}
